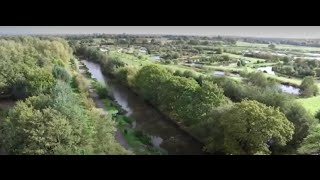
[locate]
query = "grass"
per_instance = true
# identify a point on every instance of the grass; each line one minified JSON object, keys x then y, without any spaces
{"x":141,"y":143}
{"x":281,"y":46}
{"x":138,"y":140}
{"x":123,"y":121}
{"x":250,"y":59}
{"x":102,"y":90}
{"x":294,"y":81}
{"x":111,"y":108}
{"x":312,"y":104}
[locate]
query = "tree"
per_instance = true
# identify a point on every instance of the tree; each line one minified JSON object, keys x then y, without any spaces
{"x":272,"y":46}
{"x":39,"y":81}
{"x":308,"y":87}
{"x":258,"y":79}
{"x":249,"y":126}
{"x":210,"y":130}
{"x":303,"y":122}
{"x":288,"y":70}
{"x":286,"y":60}
{"x":149,"y":80}
{"x":311,"y":143}
{"x":219,"y":51}
{"x":30,"y":131}
{"x":207,"y":97}
{"x":318,"y":115}
{"x":243,"y":62}
{"x":188,"y":74}
{"x":317,"y":70}
{"x":194,"y":42}
{"x":205,"y":43}
{"x":171,"y":91}
{"x":60,"y":73}
{"x":239,"y":64}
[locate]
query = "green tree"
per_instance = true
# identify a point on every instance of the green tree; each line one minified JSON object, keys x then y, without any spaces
{"x":171,"y":91}
{"x":311,"y":144}
{"x":302,"y":120}
{"x":194,"y":42}
{"x":317,"y":70}
{"x":272,"y":46}
{"x":219,"y":51}
{"x":286,"y":60}
{"x":318,"y":115}
{"x":207,"y":97}
{"x":210,"y":131}
{"x":101,"y":89}
{"x":60,"y":73}
{"x":257,"y":79}
{"x":250,"y":125}
{"x":308,"y":87}
{"x":178,"y":73}
{"x":239,"y":63}
{"x":188,"y":74}
{"x":38,"y":132}
{"x":39,"y":81}
{"x":148,"y":81}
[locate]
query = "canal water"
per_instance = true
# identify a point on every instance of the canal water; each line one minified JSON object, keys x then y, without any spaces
{"x":165,"y":133}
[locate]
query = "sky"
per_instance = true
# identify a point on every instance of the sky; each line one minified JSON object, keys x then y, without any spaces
{"x":245,"y":31}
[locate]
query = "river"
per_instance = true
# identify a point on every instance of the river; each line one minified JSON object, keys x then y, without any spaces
{"x":164,"y":132}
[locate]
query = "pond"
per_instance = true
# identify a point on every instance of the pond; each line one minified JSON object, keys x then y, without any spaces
{"x":283,"y":87}
{"x":266,"y":70}
{"x":289,"y":89}
{"x":219,"y":73}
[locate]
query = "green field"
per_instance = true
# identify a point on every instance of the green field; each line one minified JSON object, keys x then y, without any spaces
{"x":311,"y":104}
{"x":282,"y":46}
{"x":250,"y":59}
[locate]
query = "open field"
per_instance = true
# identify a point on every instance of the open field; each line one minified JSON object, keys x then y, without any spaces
{"x":311,"y":104}
{"x":282,"y":46}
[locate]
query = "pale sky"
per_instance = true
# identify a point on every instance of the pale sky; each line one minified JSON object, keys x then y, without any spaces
{"x":247,"y":31}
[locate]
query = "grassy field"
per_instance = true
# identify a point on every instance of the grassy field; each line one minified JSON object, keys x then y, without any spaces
{"x":311,"y":104}
{"x":250,"y":59}
{"x":282,"y":46}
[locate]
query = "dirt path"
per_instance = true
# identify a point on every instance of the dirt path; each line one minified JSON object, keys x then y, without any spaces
{"x":99,"y":104}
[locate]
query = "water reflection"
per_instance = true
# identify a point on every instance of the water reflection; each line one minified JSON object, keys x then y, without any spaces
{"x":147,"y":118}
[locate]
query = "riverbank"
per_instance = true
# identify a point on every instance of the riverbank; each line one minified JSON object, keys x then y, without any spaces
{"x":127,"y":135}
{"x":164,"y":132}
{"x":177,"y":124}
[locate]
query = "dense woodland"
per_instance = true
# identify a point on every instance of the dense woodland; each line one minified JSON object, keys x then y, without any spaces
{"x":53,"y":114}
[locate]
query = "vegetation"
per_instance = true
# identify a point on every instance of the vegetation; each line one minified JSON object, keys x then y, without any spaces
{"x":191,"y":104}
{"x":49,"y":118}
{"x":308,"y":87}
{"x":311,"y":144}
{"x":250,"y":127}
{"x":243,"y":111}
